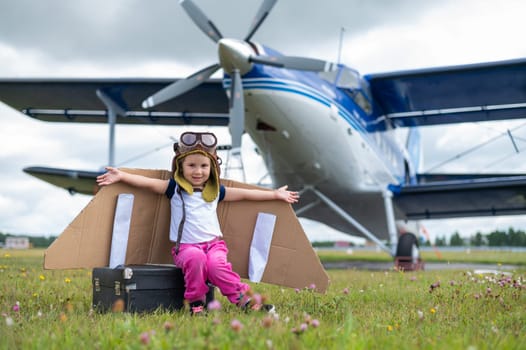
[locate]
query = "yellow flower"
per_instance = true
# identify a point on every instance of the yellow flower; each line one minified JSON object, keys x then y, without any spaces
{"x":7,"y":255}
{"x":35,"y":295}
{"x":42,"y":277}
{"x":432,"y":310}
{"x":389,"y":328}
{"x":67,"y":280}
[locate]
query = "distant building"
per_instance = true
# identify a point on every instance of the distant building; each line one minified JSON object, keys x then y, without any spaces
{"x":17,"y":243}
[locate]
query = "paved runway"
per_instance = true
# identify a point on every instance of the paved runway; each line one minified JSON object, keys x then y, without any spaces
{"x":431,"y":266}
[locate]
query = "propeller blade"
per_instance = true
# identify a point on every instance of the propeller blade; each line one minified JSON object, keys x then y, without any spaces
{"x":180,"y":87}
{"x":292,"y":62}
{"x":237,"y":110}
{"x":262,"y":13}
{"x":200,"y":19}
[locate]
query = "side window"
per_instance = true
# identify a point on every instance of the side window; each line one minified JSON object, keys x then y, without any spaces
{"x":361,"y":100}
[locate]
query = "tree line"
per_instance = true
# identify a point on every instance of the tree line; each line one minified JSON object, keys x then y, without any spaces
{"x":510,"y":238}
{"x":36,"y":242}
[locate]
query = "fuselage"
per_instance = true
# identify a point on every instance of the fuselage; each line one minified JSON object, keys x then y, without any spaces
{"x":316,"y":129}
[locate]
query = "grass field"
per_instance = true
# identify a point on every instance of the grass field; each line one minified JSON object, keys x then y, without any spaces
{"x":44,"y":309}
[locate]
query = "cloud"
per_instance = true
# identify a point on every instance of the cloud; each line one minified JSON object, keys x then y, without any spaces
{"x":136,"y":38}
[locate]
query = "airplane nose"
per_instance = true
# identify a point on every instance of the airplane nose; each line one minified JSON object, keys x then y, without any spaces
{"x":234,"y":54}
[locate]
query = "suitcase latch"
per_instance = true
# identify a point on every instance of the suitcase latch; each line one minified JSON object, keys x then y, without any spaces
{"x":117,"y":288}
{"x":96,"y":283}
{"x":127,"y":273}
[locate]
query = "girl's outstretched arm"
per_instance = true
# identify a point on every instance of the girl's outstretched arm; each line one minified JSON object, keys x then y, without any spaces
{"x":114,"y":175}
{"x":237,"y":194}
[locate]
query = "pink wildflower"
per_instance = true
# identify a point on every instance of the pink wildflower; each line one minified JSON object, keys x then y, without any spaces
{"x":145,"y":338}
{"x":345,"y":290}
{"x":16,"y":307}
{"x":315,"y":323}
{"x":214,"y":305}
{"x":236,"y":325}
{"x":168,"y":326}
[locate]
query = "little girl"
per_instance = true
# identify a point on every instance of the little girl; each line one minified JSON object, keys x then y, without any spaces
{"x":194,"y":191}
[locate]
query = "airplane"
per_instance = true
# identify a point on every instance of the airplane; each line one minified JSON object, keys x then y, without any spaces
{"x":350,"y":142}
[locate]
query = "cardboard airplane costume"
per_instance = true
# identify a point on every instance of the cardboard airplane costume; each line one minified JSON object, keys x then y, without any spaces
{"x":86,"y":242}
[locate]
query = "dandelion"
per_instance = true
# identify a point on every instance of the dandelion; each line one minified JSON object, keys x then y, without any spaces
{"x":67,"y":280}
{"x":432,"y":310}
{"x":35,"y":295}
{"x":236,"y":325}
{"x":389,"y":328}
{"x":42,"y":277}
{"x":214,"y":305}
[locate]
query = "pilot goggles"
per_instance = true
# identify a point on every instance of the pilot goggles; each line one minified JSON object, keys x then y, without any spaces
{"x":191,"y":140}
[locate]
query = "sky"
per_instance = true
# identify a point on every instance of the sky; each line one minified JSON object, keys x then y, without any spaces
{"x":139,"y":38}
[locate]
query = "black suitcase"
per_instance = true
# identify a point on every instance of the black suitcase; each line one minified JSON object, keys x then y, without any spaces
{"x":139,"y":288}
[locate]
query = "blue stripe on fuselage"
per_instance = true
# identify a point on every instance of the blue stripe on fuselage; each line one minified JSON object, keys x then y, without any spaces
{"x":306,"y":91}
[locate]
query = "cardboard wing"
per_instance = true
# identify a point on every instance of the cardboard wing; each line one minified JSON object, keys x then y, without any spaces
{"x":86,"y":242}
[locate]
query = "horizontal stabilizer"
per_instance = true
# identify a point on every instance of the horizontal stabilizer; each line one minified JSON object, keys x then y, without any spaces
{"x":75,"y":181}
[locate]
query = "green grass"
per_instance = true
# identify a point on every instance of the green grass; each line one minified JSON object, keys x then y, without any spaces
{"x":361,"y":310}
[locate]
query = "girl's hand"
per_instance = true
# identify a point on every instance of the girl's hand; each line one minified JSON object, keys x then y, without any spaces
{"x":288,"y":196}
{"x":112,"y":175}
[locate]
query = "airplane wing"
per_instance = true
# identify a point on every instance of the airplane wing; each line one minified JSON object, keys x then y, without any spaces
{"x":75,"y":100}
{"x":75,"y":181}
{"x":460,"y":196}
{"x":456,"y":94}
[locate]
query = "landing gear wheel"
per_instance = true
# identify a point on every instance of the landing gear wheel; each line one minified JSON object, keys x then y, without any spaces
{"x":407,"y":253}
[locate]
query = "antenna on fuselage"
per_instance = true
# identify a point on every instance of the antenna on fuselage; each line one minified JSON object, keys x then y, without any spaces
{"x":342,"y":31}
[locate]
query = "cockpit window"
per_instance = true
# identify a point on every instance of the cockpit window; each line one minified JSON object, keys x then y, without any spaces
{"x":350,"y":81}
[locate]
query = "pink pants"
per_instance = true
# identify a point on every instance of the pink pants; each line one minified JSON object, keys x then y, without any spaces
{"x":202,"y":262}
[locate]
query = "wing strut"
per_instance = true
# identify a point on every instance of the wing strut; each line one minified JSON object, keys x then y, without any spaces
{"x":349,"y":218}
{"x":114,"y":109}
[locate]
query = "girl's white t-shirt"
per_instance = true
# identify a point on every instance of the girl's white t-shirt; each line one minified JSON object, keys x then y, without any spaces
{"x":201,"y":222}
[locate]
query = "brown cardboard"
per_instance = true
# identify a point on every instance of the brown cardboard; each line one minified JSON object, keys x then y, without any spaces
{"x":86,"y":242}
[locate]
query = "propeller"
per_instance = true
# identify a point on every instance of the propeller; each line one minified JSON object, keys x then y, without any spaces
{"x":236,"y":58}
